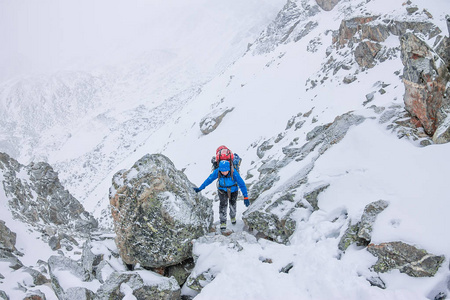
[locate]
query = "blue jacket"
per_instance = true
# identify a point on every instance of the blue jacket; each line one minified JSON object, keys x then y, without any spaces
{"x":226,"y":181}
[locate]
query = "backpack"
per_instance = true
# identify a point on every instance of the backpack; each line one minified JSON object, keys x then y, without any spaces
{"x":223,"y":153}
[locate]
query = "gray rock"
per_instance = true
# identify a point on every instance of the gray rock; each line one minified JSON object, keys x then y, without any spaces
{"x":197,"y":282}
{"x":377,"y":281}
{"x":287,"y":268}
{"x":210,"y":122}
{"x":89,"y":261}
{"x":327,"y":5}
{"x":14,"y":262}
{"x":360,"y":233}
{"x":442,"y":133}
{"x":349,"y":237}
{"x":38,"y":278}
{"x":79,"y":293}
{"x":263,"y":185}
{"x":387,"y":115}
{"x":400,"y":28}
{"x":160,"y":288}
{"x":308,"y":27}
{"x":268,"y":167}
{"x":316,"y":131}
{"x":62,"y":263}
{"x":7,"y":238}
{"x":263,"y":148}
{"x":103,"y":271}
{"x":3,"y":295}
{"x":181,"y":271}
{"x":54,"y":243}
{"x":157,"y":213}
{"x":311,"y":195}
{"x":371,"y":211}
{"x":365,"y":54}
{"x":406,"y":258}
{"x":411,"y":9}
{"x":349,"y":79}
{"x":299,"y":124}
{"x":369,"y":98}
{"x":447,"y":18}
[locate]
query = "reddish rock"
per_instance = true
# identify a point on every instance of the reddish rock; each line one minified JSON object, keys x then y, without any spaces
{"x":425,"y":82}
{"x":350,"y":27}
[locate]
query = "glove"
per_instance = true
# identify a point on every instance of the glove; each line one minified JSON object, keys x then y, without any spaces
{"x":246,"y":202}
{"x":197,"y":190}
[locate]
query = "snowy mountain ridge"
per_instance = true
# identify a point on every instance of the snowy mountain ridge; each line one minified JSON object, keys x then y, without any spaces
{"x":293,"y":83}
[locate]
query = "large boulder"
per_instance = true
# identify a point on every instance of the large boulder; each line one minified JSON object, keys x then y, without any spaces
{"x":425,"y":79}
{"x":156,"y":213}
{"x":408,"y":259}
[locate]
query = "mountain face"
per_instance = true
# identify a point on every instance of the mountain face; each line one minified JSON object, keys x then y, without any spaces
{"x":339,"y":110}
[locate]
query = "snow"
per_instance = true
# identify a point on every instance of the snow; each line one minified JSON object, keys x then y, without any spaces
{"x":165,"y":69}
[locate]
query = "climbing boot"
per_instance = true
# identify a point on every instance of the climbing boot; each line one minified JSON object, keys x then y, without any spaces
{"x":223,"y":226}
{"x":233,"y":221}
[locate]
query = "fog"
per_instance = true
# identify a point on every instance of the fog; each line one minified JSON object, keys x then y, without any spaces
{"x":50,"y":35}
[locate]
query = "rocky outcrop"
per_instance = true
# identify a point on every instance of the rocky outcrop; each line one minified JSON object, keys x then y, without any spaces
{"x":425,"y":74}
{"x":368,"y":32}
{"x":156,"y":213}
{"x":375,"y":29}
{"x":408,"y":259}
{"x":36,"y":195}
{"x":210,"y":122}
{"x":426,"y":78}
{"x":291,"y":24}
{"x":116,"y":283}
{"x":271,"y":215}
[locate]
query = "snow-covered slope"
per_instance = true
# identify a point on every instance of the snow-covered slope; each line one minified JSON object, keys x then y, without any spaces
{"x":156,"y":103}
{"x":167,"y":52}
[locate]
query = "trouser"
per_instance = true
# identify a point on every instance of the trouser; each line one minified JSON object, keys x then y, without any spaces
{"x":224,"y":198}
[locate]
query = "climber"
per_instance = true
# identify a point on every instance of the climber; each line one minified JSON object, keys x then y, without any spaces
{"x":227,"y":187}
